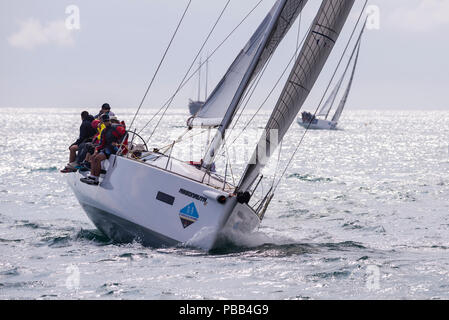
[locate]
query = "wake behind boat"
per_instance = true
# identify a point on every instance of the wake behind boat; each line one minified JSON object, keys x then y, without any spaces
{"x":157,"y":200}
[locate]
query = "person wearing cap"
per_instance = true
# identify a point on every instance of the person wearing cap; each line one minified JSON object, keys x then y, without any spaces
{"x":114,"y":119}
{"x":109,"y":142}
{"x":86,"y":134}
{"x":105,"y":109}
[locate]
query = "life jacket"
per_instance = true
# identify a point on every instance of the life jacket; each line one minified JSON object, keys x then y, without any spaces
{"x":108,"y":136}
{"x":125,"y":143}
{"x":121,"y":134}
{"x":100,"y":129}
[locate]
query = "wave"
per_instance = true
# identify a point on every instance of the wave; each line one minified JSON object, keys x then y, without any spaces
{"x":285,"y":250}
{"x":308,"y":178}
{"x":44,"y":169}
{"x":261,"y":244}
{"x":10,"y":240}
{"x":94,"y":235}
{"x":69,"y":236}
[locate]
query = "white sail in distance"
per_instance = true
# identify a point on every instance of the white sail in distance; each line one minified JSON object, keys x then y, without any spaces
{"x":320,"y":41}
{"x":344,"y":99}
{"x":324,"y":112}
{"x":331,"y":100}
{"x":216,"y":106}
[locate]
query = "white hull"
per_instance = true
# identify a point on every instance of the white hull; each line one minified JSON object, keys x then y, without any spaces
{"x":138,"y":201}
{"x":318,"y":124}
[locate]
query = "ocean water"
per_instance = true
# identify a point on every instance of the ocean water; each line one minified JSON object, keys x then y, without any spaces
{"x":362,"y":213}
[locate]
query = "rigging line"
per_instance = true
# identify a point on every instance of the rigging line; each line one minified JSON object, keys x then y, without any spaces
{"x":308,"y":128}
{"x":226,"y":155}
{"x":229,"y":163}
{"x":299,"y":29}
{"x":161,"y":62}
{"x":260,"y":77}
{"x":281,"y":144}
{"x":351,"y":58}
{"x":337,"y":90}
{"x":249,"y":94}
{"x":278,"y":164}
{"x":293,"y":58}
{"x":342,"y":57}
{"x":207,"y":79}
{"x":251,"y":89}
{"x":257,"y":83}
{"x":182,"y":138}
{"x":210,"y":56}
{"x":190,"y":68}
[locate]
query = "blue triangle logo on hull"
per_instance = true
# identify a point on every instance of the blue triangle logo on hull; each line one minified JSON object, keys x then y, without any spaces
{"x":189,"y":215}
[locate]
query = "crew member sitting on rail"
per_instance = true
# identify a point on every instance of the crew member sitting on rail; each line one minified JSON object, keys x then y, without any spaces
{"x":86,"y":134}
{"x":88,"y":149}
{"x":110,"y":142}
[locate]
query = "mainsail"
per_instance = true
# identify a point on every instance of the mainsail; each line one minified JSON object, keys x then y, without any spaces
{"x":320,"y":41}
{"x":344,"y":99}
{"x":267,"y":37}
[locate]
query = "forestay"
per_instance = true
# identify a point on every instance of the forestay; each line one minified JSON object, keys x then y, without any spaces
{"x":320,"y":41}
{"x":216,"y":106}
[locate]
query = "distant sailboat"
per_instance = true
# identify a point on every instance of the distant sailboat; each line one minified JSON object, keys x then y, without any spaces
{"x":321,"y":120}
{"x":162,"y":201}
{"x":195,"y":106}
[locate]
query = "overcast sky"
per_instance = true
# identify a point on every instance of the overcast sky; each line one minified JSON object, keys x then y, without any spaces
{"x":114,"y":54}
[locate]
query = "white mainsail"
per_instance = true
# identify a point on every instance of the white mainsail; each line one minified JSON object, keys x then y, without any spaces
{"x":267,"y":36}
{"x":325,"y":110}
{"x":320,"y":41}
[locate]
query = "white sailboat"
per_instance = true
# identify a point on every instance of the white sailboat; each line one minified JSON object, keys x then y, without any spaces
{"x":161,"y":201}
{"x":321,"y":120}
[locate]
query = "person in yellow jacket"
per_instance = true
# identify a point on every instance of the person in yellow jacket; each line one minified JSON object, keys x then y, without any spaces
{"x":105,"y":109}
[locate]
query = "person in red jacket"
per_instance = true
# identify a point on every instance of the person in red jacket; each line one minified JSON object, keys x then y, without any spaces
{"x":110,"y":142}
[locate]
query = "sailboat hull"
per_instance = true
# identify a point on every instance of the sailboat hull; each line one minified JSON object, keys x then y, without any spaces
{"x":124,"y":231}
{"x":138,"y":202}
{"x":318,"y":124}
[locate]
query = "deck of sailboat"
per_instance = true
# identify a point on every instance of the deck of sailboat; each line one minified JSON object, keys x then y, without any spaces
{"x":186,"y":170}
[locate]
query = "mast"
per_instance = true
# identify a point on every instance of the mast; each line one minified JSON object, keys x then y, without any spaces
{"x":229,"y":93}
{"x":199,"y":81}
{"x":207,"y":79}
{"x":226,"y":122}
{"x":320,"y":41}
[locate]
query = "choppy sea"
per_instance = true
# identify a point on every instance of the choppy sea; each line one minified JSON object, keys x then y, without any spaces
{"x":362,"y":213}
